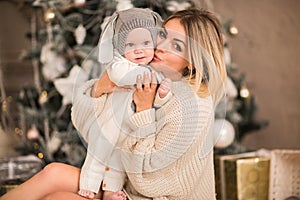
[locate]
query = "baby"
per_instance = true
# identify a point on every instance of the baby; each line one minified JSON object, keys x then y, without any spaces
{"x":126,"y":47}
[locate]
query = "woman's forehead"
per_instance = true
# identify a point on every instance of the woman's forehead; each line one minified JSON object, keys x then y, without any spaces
{"x":175,"y":25}
{"x":175,"y":29}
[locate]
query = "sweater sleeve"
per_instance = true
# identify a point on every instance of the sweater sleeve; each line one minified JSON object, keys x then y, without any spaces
{"x":86,"y":109}
{"x":159,"y":139}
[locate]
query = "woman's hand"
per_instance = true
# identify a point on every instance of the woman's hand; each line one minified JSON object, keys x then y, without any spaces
{"x":103,"y":85}
{"x":144,"y":94}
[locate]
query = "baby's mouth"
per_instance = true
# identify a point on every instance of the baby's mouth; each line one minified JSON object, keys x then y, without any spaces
{"x":140,"y":58}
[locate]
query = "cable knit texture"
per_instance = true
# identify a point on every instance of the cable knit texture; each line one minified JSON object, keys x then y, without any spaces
{"x":164,"y":154}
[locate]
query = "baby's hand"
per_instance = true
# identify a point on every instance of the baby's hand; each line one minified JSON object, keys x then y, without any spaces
{"x":87,"y":194}
{"x":164,"y":88}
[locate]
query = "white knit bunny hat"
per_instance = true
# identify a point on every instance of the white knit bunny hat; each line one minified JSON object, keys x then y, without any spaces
{"x":120,"y":24}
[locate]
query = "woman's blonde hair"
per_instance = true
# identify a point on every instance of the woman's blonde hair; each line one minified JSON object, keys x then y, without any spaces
{"x":207,"y":70}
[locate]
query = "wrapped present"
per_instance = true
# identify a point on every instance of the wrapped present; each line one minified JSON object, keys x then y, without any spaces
{"x":285,"y":174}
{"x":15,"y":170}
{"x":242,"y":177}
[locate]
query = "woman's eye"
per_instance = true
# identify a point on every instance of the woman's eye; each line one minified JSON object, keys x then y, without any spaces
{"x":162,"y":34}
{"x":177,"y":47}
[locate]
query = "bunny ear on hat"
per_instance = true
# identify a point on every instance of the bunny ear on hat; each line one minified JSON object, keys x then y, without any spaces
{"x":157,"y":18}
{"x":105,"y":45}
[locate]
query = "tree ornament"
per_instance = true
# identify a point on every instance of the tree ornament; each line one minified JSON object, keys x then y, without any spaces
{"x":174,"y":6}
{"x":231,"y":90}
{"x":33,"y":133}
{"x":43,"y":97}
{"x":79,"y":3}
{"x":227,"y":56}
{"x":80,"y":34}
{"x":124,"y":5}
{"x":66,"y":86}
{"x":223,"y":133}
{"x":49,"y":15}
{"x":233,"y":30}
{"x":53,"y":63}
{"x":54,"y":143}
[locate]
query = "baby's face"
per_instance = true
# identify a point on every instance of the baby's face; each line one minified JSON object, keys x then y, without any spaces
{"x":139,"y":46}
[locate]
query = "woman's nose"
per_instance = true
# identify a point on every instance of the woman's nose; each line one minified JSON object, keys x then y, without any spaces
{"x":162,"y":45}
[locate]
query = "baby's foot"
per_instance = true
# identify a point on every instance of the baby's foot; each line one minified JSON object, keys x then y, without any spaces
{"x":164,"y":88}
{"x":87,"y":194}
{"x":119,"y":195}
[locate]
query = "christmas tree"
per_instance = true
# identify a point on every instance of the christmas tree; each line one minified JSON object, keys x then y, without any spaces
{"x":63,"y":35}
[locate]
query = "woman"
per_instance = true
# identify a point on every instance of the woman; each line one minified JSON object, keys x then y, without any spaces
{"x":168,"y":152}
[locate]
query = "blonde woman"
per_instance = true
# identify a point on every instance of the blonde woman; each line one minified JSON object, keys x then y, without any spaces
{"x":168,"y":152}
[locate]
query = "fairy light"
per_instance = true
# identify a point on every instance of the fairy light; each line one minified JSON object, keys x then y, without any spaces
{"x":18,"y":131}
{"x":40,"y":155}
{"x":49,"y":15}
{"x":233,"y":30}
{"x":43,"y":97}
{"x":244,"y":92}
{"x":4,"y":106}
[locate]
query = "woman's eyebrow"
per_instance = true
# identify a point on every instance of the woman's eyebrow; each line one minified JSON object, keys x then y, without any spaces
{"x":179,"y":40}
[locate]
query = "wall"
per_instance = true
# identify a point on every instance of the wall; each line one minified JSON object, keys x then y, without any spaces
{"x":16,"y":73}
{"x":13,"y":28}
{"x":267,"y":50}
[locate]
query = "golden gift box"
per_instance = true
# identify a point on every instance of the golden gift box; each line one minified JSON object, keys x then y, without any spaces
{"x":242,"y":177}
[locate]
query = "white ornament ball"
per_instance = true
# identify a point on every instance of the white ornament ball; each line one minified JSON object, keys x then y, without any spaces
{"x":32,"y":133}
{"x":80,"y":34}
{"x":79,"y":3}
{"x":224,"y":133}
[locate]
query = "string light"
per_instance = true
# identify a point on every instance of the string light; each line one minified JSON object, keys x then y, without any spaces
{"x":49,"y":15}
{"x":40,"y":155}
{"x":233,"y":30}
{"x":4,"y":106}
{"x":244,"y":92}
{"x":43,"y":97}
{"x":18,"y":131}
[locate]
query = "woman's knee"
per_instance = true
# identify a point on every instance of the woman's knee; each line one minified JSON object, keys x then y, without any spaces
{"x":53,"y":196}
{"x":53,"y":169}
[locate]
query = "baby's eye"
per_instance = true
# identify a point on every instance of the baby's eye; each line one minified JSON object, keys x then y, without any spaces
{"x":129,"y":44}
{"x":146,"y":43}
{"x":162,"y":34}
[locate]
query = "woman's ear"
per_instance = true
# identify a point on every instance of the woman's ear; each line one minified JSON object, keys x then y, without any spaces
{"x":105,"y":45}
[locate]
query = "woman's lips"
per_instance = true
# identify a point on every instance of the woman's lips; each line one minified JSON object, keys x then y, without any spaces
{"x":156,"y":58}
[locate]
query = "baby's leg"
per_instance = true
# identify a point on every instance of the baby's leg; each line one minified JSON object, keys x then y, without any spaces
{"x":109,"y":195}
{"x":87,"y":194}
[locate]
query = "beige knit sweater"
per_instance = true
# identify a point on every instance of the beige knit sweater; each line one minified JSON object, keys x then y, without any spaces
{"x":167,"y":152}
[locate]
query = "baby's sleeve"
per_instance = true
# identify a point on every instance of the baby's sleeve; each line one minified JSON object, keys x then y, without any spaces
{"x":159,"y":102}
{"x":123,"y":72}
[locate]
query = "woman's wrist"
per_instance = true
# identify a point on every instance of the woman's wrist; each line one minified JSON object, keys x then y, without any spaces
{"x":142,"y":108}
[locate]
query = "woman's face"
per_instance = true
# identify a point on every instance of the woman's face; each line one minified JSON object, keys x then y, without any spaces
{"x":170,"y":56}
